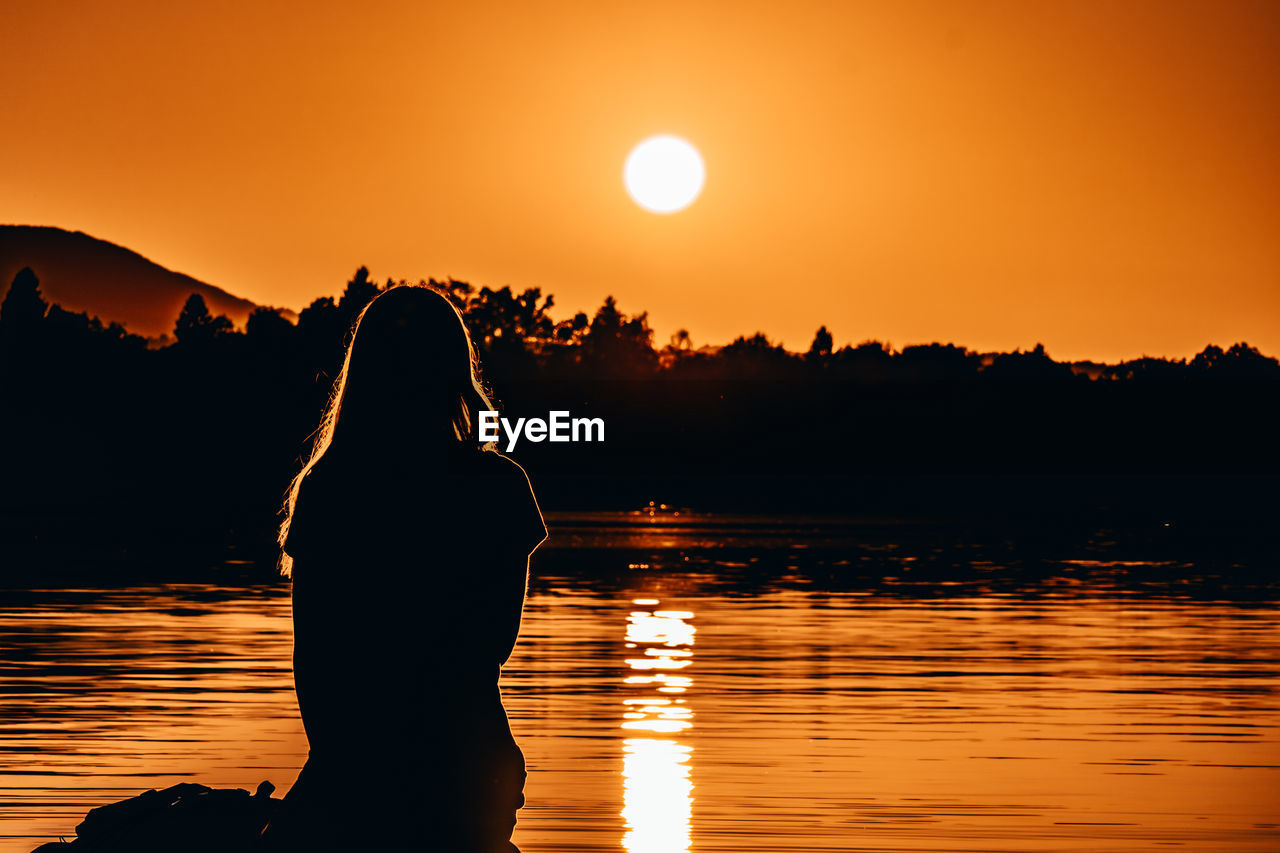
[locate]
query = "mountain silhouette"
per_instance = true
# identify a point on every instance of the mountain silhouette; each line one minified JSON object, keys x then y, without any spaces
{"x":83,"y":273}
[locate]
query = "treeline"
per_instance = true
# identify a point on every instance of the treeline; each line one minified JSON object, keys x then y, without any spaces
{"x":517,"y":331}
{"x":200,"y":435}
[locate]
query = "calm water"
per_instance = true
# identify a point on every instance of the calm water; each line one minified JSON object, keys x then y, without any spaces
{"x":719,"y":685}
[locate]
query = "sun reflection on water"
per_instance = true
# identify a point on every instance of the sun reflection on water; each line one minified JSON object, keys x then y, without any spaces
{"x":657,"y":790}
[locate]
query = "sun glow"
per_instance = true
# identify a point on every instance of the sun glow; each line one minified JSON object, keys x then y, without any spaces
{"x":664,"y":174}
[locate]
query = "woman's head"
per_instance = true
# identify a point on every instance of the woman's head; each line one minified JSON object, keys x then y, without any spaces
{"x":410,"y":373}
{"x":408,"y":381}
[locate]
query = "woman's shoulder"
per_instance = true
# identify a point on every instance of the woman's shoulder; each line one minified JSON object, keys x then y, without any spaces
{"x":513,"y":493}
{"x":491,"y":463}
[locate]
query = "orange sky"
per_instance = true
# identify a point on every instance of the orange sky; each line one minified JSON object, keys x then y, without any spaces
{"x":1103,"y":177}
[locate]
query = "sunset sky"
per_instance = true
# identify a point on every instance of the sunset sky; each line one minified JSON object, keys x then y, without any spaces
{"x":1102,"y":177}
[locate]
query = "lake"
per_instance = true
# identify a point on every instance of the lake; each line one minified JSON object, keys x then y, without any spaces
{"x":689,"y":682}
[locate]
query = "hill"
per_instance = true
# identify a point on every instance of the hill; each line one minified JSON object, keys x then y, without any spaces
{"x":83,"y":273}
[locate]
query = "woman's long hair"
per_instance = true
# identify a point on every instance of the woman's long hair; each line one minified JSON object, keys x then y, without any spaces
{"x":409,"y":374}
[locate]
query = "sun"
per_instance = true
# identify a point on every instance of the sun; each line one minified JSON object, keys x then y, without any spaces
{"x":664,"y":174}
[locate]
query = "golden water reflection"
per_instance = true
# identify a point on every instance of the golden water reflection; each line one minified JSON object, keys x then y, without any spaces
{"x":657,"y":788}
{"x":656,"y":794}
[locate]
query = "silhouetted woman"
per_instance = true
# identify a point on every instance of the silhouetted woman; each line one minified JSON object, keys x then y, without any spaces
{"x":408,"y":546}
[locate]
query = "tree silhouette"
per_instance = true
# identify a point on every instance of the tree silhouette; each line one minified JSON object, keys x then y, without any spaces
{"x":323,"y":334}
{"x":23,"y":308}
{"x":358,"y":293}
{"x":679,"y":348}
{"x":615,"y":339}
{"x":820,"y":349}
{"x":937,"y":361}
{"x":498,"y":319}
{"x":869,"y":361}
{"x":572,"y":331}
{"x":1027,"y":365}
{"x":269,"y":331}
{"x":195,"y":325}
{"x":457,"y":292}
{"x":1241,"y":361}
{"x":757,"y":357}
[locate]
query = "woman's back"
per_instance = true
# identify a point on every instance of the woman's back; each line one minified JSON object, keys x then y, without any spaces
{"x":416,"y":569}
{"x":409,"y":577}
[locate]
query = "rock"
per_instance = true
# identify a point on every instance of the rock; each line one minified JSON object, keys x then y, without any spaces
{"x":187,"y":817}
